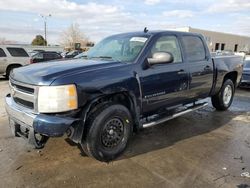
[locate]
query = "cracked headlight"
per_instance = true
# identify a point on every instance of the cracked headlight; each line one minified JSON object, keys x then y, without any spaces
{"x":54,"y":99}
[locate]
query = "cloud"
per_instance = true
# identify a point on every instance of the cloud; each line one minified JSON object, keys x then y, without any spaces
{"x":152,"y":2}
{"x":98,"y":19}
{"x":59,"y":8}
{"x":229,"y":6}
{"x":108,"y":18}
{"x":179,"y":13}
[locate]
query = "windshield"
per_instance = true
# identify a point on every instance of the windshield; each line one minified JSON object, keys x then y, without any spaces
{"x":247,"y":64}
{"x":119,"y":47}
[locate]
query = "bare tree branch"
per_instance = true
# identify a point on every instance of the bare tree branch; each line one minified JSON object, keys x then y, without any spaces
{"x":74,"y":35}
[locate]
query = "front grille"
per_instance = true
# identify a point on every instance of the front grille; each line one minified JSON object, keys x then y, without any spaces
{"x":24,"y":89}
{"x":23,"y":94}
{"x":24,"y":103}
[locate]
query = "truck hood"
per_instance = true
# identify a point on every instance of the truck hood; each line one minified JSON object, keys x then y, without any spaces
{"x":46,"y":73}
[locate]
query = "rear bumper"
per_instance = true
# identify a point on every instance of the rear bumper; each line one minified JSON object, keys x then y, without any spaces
{"x":23,"y":121}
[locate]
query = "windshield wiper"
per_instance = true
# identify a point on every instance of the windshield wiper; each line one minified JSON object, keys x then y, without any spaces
{"x":103,"y":57}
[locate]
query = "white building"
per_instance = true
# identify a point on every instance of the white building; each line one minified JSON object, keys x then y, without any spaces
{"x":222,"y":41}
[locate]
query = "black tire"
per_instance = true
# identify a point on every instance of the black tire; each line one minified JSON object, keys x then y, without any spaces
{"x":109,"y":130}
{"x":220,"y":102}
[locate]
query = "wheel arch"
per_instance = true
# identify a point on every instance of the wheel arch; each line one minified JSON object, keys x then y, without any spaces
{"x":16,"y":65}
{"x":124,"y":98}
{"x":232,"y":76}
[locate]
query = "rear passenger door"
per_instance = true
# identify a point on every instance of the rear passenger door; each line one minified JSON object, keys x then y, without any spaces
{"x":3,"y":61}
{"x":199,"y":64}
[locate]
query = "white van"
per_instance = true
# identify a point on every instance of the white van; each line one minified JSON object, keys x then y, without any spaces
{"x":12,"y":57}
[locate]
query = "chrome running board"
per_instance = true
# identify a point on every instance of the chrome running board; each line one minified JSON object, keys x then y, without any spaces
{"x":162,"y":120}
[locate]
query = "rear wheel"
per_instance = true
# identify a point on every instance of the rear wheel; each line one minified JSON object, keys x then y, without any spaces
{"x":223,"y":100}
{"x":109,"y":130}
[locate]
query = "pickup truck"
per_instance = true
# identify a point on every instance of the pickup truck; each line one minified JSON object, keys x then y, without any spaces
{"x":126,"y":82}
{"x":12,"y":57}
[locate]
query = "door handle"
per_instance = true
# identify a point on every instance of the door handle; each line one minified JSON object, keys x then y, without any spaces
{"x":181,"y":72}
{"x":207,"y":68}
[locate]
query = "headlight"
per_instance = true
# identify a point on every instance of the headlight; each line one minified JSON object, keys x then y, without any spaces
{"x":53,"y":99}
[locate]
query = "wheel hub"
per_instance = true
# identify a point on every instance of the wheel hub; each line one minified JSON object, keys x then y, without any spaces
{"x":112,"y":133}
{"x":227,"y":94}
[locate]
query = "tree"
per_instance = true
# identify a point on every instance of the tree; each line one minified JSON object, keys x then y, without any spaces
{"x":73,"y":35}
{"x":39,"y":41}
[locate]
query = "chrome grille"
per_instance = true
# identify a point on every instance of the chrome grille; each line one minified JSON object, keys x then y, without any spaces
{"x":24,"y":94}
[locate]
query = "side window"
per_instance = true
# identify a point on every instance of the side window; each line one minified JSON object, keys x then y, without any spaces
{"x":48,"y":56}
{"x":168,"y":44}
{"x":194,"y":48}
{"x":17,"y":52}
{"x":38,"y":56}
{"x":56,"y":55}
{"x":2,"y":53}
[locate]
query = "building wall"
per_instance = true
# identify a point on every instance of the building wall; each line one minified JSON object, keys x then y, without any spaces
{"x":229,"y":40}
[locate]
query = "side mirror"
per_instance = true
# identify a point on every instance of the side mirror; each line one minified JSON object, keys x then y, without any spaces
{"x":161,"y":58}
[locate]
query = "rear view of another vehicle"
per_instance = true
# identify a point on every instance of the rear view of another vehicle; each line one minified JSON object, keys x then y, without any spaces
{"x":45,"y":56}
{"x":245,"y":80}
{"x":72,"y":54}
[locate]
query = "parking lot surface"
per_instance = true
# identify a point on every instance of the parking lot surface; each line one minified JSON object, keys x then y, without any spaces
{"x":205,"y":148}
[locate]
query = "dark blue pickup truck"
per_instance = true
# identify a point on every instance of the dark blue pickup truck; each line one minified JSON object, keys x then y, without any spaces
{"x":126,"y":82}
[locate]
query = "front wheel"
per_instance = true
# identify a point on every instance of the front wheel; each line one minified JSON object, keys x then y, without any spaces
{"x":109,"y":130}
{"x":223,"y":100}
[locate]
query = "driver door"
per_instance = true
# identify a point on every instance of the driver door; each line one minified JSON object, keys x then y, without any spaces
{"x":164,"y":85}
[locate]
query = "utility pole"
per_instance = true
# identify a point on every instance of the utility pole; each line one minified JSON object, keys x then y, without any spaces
{"x":45,"y":27}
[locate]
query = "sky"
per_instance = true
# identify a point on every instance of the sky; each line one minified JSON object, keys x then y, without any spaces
{"x":20,"y":20}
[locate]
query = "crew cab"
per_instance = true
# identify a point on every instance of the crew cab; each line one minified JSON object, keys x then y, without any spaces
{"x":126,"y":82}
{"x":11,"y":57}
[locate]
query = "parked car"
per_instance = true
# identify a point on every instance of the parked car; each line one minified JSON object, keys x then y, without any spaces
{"x":72,"y":54}
{"x":245,"y":80}
{"x":127,"y":82}
{"x":45,"y":56}
{"x":12,"y":57}
{"x":34,"y":52}
{"x":63,"y":54}
{"x":81,"y":55}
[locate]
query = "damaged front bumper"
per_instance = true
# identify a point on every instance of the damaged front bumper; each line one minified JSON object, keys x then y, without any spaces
{"x":27,"y":124}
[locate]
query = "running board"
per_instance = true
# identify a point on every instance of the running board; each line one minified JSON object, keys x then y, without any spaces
{"x":189,"y":109}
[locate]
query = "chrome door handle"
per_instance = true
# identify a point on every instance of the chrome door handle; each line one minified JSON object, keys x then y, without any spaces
{"x":181,"y":72}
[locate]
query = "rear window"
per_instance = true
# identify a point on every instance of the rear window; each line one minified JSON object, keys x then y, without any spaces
{"x":50,"y":55}
{"x":38,"y":56}
{"x":194,"y":48}
{"x":2,"y":53}
{"x":17,"y":52}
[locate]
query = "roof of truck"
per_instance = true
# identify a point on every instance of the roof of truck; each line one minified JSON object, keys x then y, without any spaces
{"x":156,"y":32}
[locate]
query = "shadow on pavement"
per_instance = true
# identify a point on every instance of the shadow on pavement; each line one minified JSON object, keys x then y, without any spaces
{"x":3,"y":79}
{"x":167,"y":134}
{"x":176,"y":130}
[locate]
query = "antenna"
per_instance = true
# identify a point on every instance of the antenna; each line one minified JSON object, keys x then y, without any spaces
{"x":145,"y":30}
